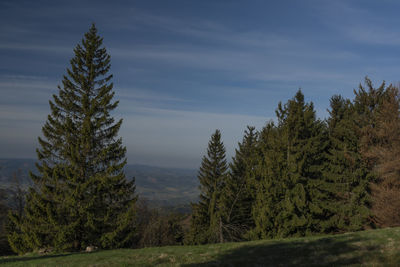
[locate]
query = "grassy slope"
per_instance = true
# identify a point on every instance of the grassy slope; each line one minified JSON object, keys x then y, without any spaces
{"x":374,"y":247}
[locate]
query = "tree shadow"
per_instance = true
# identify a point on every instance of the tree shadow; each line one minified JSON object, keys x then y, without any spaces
{"x":38,"y":257}
{"x":339,"y":251}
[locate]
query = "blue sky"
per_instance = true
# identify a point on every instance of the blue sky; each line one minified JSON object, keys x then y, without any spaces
{"x":184,"y":68}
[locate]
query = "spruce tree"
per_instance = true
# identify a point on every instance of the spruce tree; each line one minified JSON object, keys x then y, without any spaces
{"x":304,"y":140}
{"x":367,"y":105}
{"x":207,"y":214}
{"x":344,"y":171}
{"x":267,"y":183}
{"x":288,"y":176}
{"x":80,"y":196}
{"x":238,"y":196}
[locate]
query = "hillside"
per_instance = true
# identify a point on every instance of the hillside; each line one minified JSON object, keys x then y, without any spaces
{"x":371,"y":248}
{"x":165,"y":187}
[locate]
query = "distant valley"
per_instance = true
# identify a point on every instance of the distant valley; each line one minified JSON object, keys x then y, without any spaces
{"x":161,"y":187}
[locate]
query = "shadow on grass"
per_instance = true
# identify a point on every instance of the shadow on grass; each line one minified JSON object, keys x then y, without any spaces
{"x":38,"y":257}
{"x":338,"y":251}
{"x":29,"y":258}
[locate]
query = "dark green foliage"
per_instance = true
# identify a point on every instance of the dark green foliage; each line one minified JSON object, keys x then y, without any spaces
{"x":304,"y":139}
{"x":207,"y":216}
{"x":288,"y":179}
{"x":305,"y":176}
{"x":11,"y":201}
{"x":345,"y":172}
{"x":238,"y":194}
{"x":302,"y":175}
{"x":268,"y":185}
{"x":80,"y":196}
{"x":4,"y":246}
{"x":367,"y":102}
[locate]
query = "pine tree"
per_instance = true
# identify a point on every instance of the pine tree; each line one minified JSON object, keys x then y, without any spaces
{"x":288,"y":176}
{"x":268,"y":184}
{"x":367,"y":105}
{"x":238,"y":196}
{"x":304,"y":139}
{"x":344,"y":171}
{"x":80,"y":196}
{"x":207,"y":214}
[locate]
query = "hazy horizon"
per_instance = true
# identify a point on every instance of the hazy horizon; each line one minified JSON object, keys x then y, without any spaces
{"x":185,"y":68}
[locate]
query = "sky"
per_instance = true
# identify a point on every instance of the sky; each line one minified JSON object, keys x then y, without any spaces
{"x":185,"y":68}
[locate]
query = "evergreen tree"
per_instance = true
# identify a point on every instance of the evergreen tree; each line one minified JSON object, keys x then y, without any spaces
{"x":289,"y":182}
{"x":207,"y":214}
{"x":267,"y":183}
{"x":238,"y":197}
{"x":80,"y":196}
{"x":344,"y":171}
{"x":304,"y":141}
{"x":367,"y":104}
{"x":4,"y":208}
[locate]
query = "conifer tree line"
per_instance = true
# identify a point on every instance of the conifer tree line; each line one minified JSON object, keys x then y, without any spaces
{"x":300,"y":175}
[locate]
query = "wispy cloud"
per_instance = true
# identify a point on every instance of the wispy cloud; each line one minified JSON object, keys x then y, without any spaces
{"x":372,"y":34}
{"x":22,"y":90}
{"x":252,"y":55}
{"x":286,"y":64}
{"x":18,"y":114}
{"x":212,"y":32}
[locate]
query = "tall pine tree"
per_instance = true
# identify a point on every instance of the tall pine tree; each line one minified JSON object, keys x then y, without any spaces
{"x":344,"y":171}
{"x":304,"y":141}
{"x":80,"y":196}
{"x":238,"y":196}
{"x":367,"y":105}
{"x":207,"y":214}
{"x":289,"y":196}
{"x":268,"y":184}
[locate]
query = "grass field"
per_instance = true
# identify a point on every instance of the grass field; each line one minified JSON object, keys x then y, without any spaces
{"x":370,"y":248}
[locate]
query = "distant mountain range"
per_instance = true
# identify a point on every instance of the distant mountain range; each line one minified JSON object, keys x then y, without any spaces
{"x":166,"y":187}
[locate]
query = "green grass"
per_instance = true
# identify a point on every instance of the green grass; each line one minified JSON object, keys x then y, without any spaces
{"x":371,"y":248}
